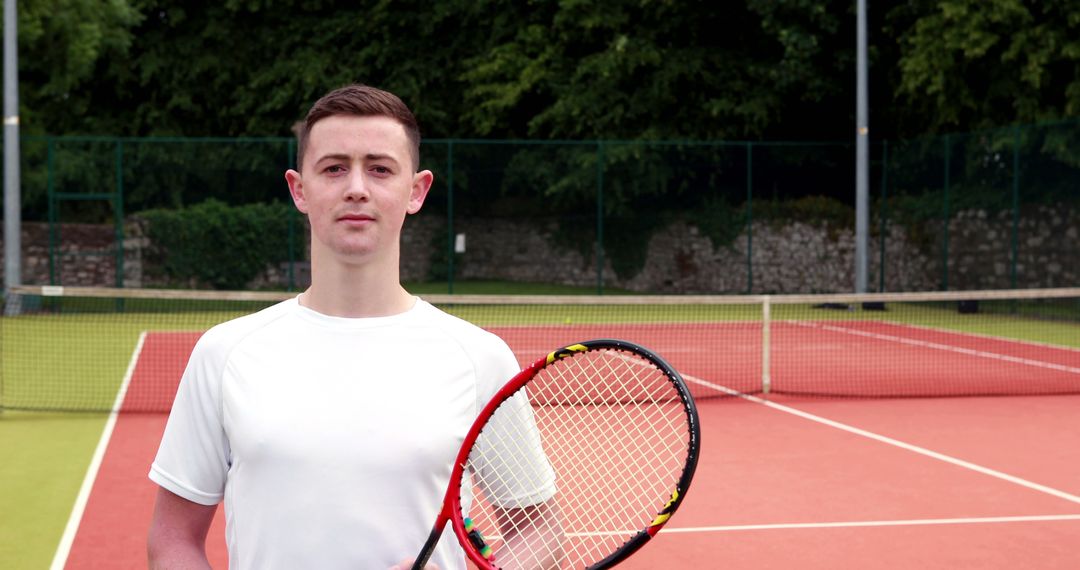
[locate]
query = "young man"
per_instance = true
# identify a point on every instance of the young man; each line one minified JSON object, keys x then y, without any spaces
{"x":328,"y":423}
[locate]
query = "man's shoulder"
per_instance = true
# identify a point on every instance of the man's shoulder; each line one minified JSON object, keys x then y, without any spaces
{"x":455,"y":325}
{"x":221,"y":338}
{"x":485,"y":349}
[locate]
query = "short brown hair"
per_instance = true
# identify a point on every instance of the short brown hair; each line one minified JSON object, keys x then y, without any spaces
{"x":362,"y":101}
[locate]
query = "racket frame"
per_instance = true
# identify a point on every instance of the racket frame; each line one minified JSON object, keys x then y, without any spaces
{"x":452,"y":500}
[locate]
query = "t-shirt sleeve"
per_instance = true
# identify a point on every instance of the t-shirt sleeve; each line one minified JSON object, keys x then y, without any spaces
{"x":194,"y":456}
{"x":508,"y":459}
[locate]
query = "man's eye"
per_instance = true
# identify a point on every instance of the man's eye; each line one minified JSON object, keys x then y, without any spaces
{"x":334,"y":169}
{"x":380,"y":170}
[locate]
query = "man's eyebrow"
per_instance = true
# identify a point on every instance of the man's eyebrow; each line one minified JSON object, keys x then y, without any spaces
{"x":369,"y":156}
{"x":332,"y":156}
{"x":377,"y":156}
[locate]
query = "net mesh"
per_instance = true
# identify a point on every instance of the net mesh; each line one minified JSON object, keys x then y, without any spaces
{"x":124,"y":349}
{"x":617,"y":437}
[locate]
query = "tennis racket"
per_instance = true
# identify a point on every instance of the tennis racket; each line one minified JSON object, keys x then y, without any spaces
{"x":576,"y":462}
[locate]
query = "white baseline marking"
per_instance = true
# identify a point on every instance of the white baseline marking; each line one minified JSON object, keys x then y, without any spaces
{"x":838,"y":524}
{"x":890,"y":441}
{"x":863,"y":524}
{"x":1020,"y":341}
{"x":64,"y":548}
{"x":943,"y":347}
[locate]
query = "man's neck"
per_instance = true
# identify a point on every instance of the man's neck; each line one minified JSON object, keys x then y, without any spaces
{"x":354,"y":291}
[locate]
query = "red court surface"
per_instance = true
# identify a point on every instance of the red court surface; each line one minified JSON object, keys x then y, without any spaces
{"x":788,"y":482}
{"x":842,"y":358}
{"x":775,"y":490}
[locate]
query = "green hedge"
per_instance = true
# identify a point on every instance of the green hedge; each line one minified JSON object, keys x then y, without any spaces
{"x":218,"y":245}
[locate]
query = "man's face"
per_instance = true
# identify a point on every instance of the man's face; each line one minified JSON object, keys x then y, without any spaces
{"x":357,"y":185}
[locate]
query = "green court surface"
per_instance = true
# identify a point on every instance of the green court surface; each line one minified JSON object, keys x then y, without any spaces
{"x":45,"y":459}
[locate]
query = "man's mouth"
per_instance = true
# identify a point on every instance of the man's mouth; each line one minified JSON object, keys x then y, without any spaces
{"x":355,"y":218}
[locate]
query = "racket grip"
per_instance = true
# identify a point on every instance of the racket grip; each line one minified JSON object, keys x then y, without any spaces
{"x":429,"y":548}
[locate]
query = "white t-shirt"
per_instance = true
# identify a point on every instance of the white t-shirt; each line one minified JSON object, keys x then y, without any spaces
{"x":331,"y":440}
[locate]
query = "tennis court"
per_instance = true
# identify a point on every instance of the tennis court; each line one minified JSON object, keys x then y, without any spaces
{"x":833,"y":436}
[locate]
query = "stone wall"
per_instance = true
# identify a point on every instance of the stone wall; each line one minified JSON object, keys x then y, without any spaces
{"x":980,"y":247}
{"x":86,"y":255}
{"x":794,"y":257}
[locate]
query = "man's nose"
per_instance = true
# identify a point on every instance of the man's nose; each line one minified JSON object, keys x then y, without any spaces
{"x":356,"y":187}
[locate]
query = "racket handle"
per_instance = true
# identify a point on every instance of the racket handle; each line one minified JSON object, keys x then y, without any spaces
{"x":429,"y":548}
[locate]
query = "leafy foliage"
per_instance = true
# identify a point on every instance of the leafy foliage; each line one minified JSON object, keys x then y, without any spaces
{"x":969,"y":64}
{"x":649,"y":70}
{"x":816,"y":210}
{"x":623,"y":69}
{"x":218,"y":245}
{"x":65,"y":47}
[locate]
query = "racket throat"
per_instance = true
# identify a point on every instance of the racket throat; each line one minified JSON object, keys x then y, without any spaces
{"x":429,"y":547}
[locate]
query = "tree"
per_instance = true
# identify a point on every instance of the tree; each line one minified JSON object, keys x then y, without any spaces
{"x":490,"y":68}
{"x":65,"y":47}
{"x":968,"y":64}
{"x":652,"y":70}
{"x":578,"y":69}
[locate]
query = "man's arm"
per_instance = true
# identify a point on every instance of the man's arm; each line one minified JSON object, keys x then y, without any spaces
{"x":178,"y":532}
{"x":535,"y":533}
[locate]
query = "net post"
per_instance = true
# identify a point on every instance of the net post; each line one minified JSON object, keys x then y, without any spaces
{"x":766,"y":316}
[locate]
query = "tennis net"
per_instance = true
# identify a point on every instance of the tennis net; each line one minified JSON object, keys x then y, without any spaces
{"x":98,"y":349}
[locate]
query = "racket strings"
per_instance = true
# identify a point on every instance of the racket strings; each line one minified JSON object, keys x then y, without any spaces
{"x":615,"y":431}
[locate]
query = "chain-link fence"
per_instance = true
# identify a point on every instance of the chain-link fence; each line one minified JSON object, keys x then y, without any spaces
{"x":993,"y":209}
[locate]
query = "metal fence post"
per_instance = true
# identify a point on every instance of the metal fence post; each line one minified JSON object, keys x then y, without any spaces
{"x":450,"y":217}
{"x":945,"y":218}
{"x":50,"y":194}
{"x":118,"y":212}
{"x":883,"y":215}
{"x":749,"y":218}
{"x":290,"y":222}
{"x":1015,"y":206}
{"x":600,"y":217}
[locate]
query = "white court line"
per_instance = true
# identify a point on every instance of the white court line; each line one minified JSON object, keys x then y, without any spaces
{"x":64,"y":548}
{"x":837,"y":524}
{"x":864,"y":524}
{"x":1020,"y":341}
{"x":939,"y":346}
{"x":890,"y":441}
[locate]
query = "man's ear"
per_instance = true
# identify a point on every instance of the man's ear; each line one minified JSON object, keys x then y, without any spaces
{"x":296,"y":189}
{"x":418,"y":193}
